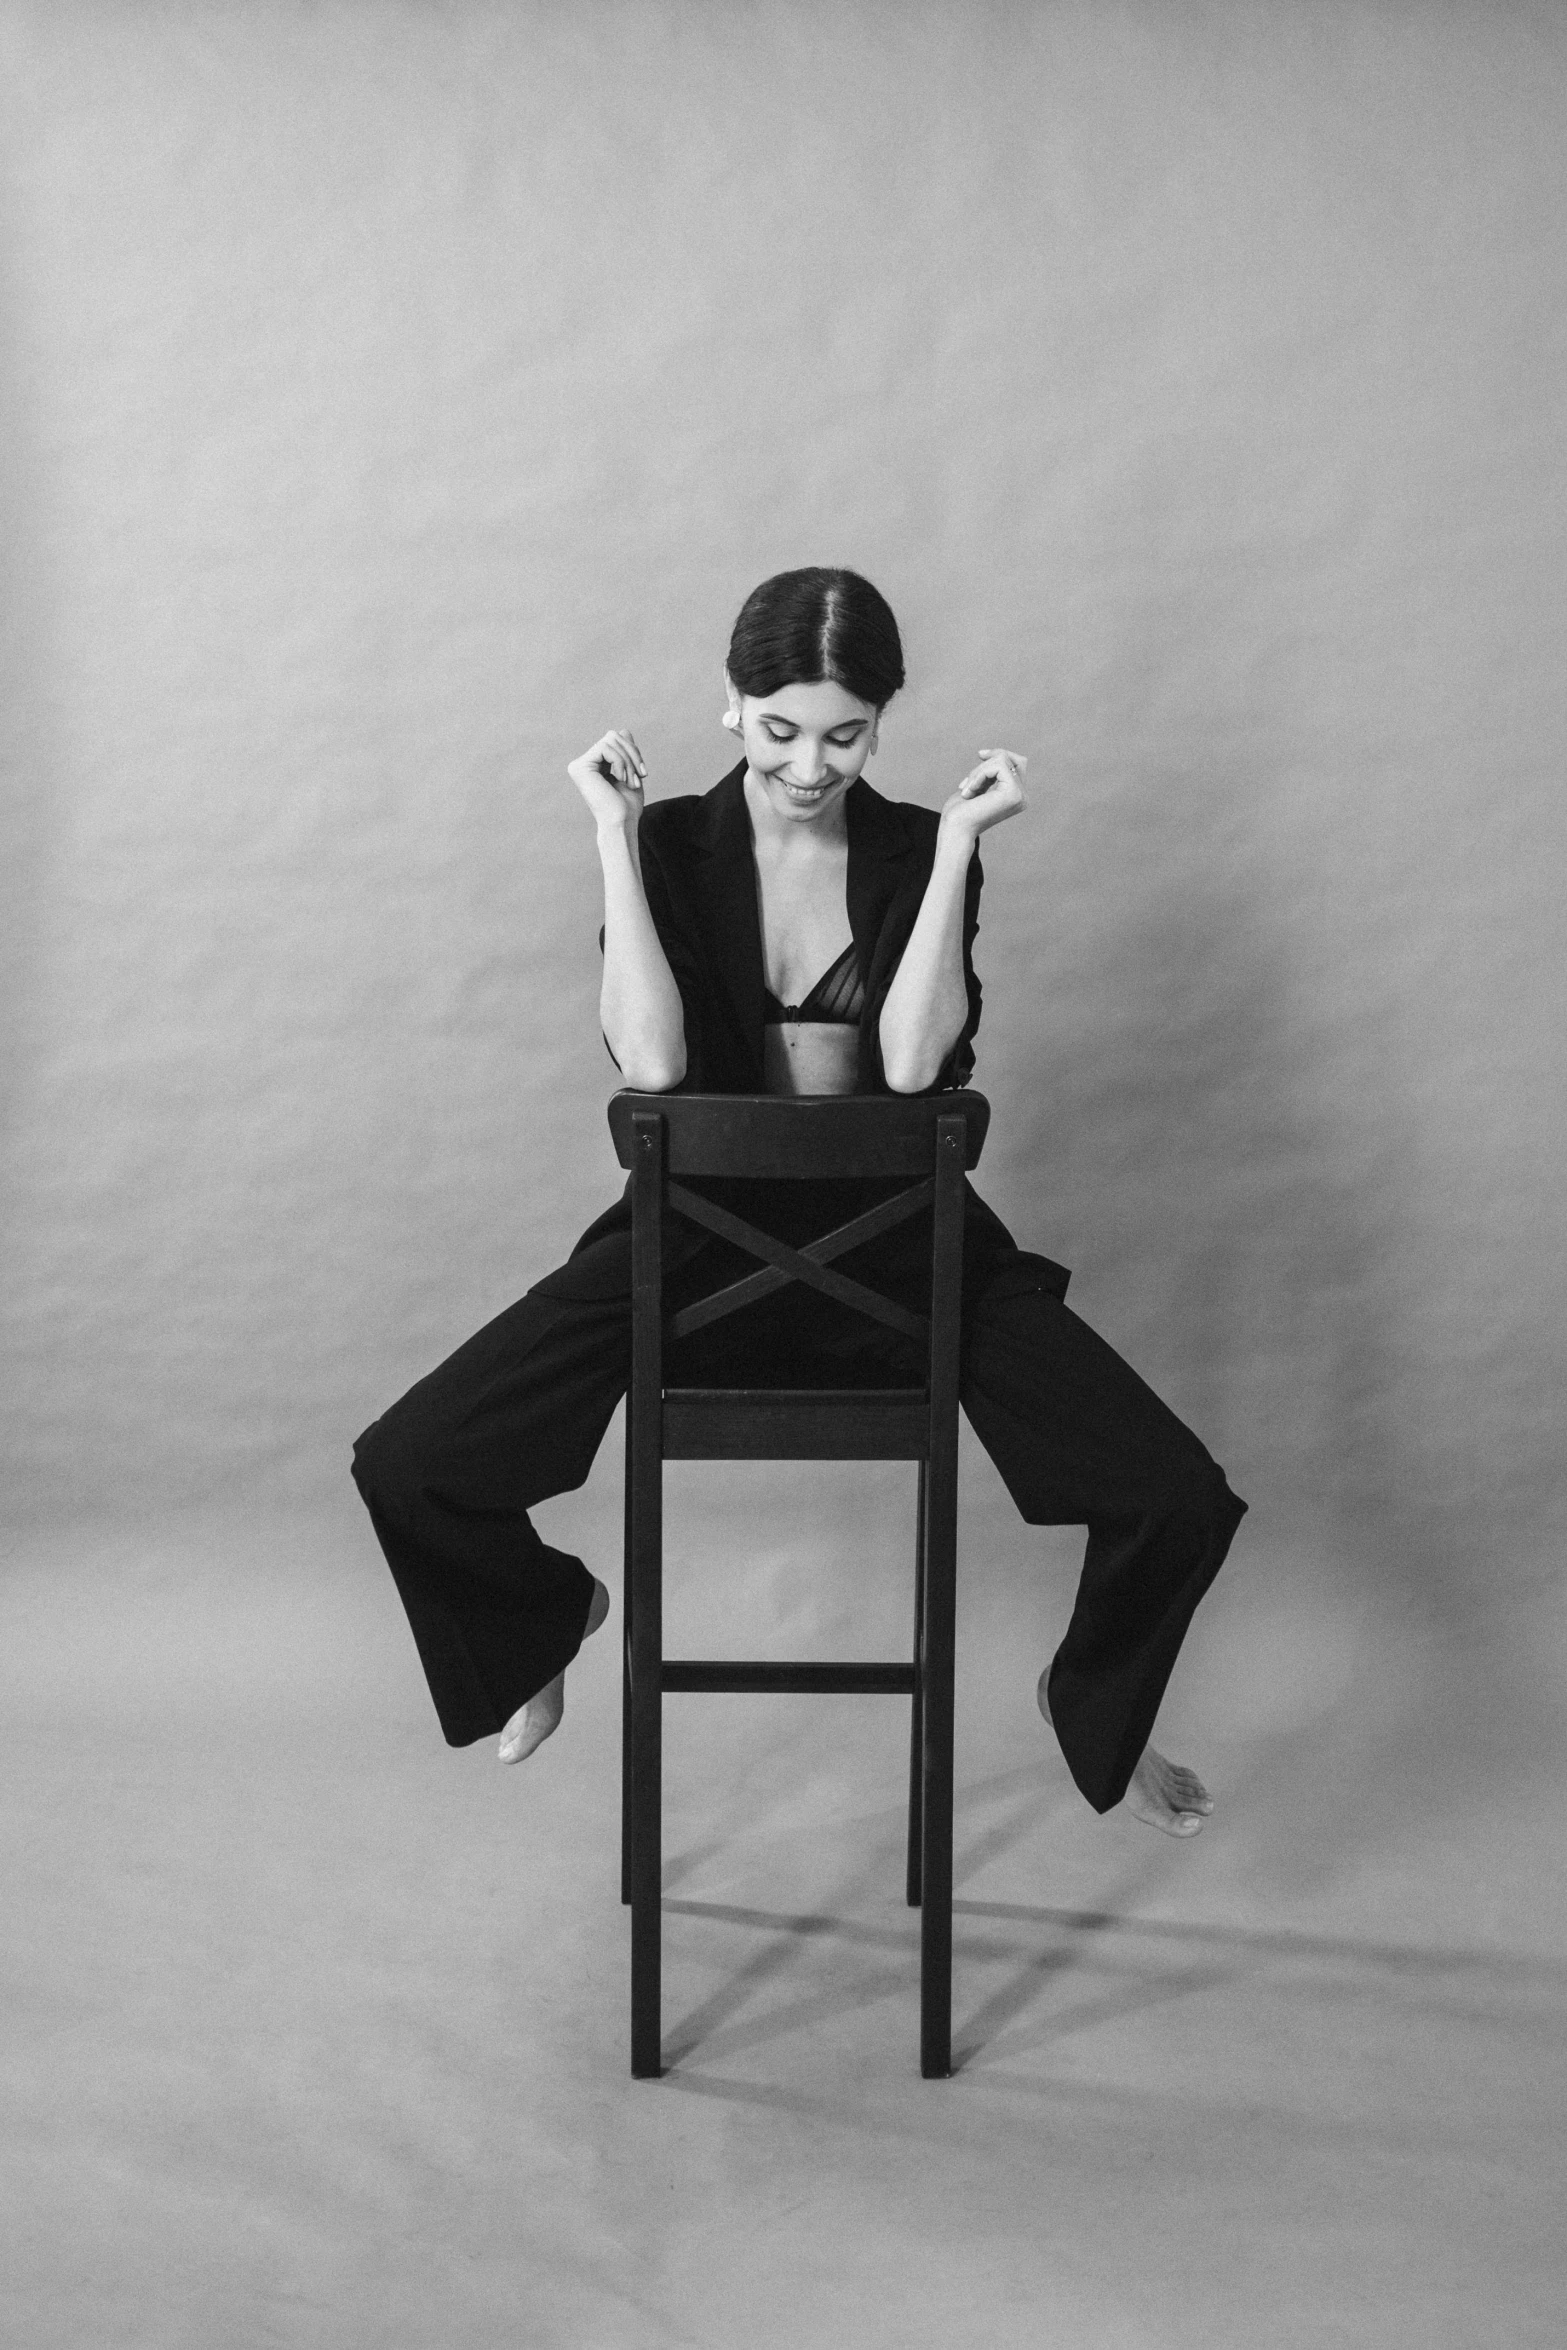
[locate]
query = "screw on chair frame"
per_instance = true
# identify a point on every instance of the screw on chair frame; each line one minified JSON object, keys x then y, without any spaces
{"x":662,"y":1137}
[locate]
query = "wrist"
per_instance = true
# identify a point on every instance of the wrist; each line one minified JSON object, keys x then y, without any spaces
{"x":614,"y":829}
{"x":954,"y":840}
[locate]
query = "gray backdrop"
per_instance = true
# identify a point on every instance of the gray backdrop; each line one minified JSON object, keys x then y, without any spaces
{"x":394,"y":396}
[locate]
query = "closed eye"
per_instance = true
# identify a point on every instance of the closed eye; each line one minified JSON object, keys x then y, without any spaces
{"x":841,"y":740}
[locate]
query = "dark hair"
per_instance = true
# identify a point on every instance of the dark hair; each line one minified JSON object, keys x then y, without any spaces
{"x":801,"y":627}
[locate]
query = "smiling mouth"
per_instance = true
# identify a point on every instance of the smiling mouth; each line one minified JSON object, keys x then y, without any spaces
{"x":806,"y":793}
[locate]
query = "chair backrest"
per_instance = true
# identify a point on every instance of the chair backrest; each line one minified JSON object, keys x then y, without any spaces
{"x":931,"y":1138}
{"x":765,"y":1134}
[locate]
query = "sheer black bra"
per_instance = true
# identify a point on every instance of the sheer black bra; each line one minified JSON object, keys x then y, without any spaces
{"x":837,"y":998}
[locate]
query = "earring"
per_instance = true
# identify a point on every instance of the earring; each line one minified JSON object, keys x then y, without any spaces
{"x":730,"y":718}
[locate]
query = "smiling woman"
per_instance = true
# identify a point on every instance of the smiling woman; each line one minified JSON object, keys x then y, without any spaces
{"x":793,"y":931}
{"x":806,"y":740}
{"x":804,"y":745}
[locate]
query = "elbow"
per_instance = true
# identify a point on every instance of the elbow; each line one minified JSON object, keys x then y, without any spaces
{"x":909,"y":1074}
{"x":650,"y":1054}
{"x":912,"y":1064}
{"x":658,"y":1073}
{"x":914,"y":1054}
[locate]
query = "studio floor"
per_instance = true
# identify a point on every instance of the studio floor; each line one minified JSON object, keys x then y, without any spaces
{"x":316,"y":2031}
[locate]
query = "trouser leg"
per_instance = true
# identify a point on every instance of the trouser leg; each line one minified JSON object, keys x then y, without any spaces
{"x":1080,"y":1439}
{"x":449,"y":1474}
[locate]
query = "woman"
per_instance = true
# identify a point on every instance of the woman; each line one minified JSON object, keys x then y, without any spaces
{"x":791,"y":931}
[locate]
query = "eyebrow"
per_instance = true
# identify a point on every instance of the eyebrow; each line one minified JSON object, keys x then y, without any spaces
{"x":777,"y":718}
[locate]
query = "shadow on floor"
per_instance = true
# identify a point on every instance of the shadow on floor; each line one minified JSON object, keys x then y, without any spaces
{"x":1155,"y":1961}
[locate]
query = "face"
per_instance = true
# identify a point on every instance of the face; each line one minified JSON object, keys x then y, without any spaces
{"x":805,"y":745}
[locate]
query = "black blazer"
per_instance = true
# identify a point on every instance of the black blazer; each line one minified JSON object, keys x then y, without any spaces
{"x":699,"y":874}
{"x":700,"y":878}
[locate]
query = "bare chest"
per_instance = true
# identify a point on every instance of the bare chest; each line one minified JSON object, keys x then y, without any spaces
{"x":804,"y":913}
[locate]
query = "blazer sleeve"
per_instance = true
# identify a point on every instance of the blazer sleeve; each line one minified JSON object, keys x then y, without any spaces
{"x":679,"y":953}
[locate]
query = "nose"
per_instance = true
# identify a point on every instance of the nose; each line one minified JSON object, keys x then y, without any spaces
{"x":808,"y":767}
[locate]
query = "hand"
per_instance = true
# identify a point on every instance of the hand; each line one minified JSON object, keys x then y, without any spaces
{"x":988,"y":794}
{"x":610,"y":778}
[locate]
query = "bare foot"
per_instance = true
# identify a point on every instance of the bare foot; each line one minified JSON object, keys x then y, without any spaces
{"x":532,"y":1723}
{"x":1165,"y":1794}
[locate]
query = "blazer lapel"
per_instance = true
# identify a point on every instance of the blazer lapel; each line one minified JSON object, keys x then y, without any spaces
{"x":883,"y":868}
{"x":733,"y":920}
{"x":878,"y":846}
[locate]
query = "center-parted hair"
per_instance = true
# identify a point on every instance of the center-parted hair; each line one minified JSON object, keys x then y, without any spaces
{"x":804,"y":627}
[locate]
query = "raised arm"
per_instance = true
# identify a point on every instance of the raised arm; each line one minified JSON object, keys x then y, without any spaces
{"x":927,"y":1003}
{"x":639,"y":1003}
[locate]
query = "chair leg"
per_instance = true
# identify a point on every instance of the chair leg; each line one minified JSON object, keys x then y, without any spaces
{"x":626,"y":1741}
{"x":936,"y":1908}
{"x":646,"y":1920}
{"x":917,"y":1713}
{"x":646,"y":1769}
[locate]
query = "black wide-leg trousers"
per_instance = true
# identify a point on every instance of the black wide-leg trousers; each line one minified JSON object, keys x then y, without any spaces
{"x":517,"y":1414}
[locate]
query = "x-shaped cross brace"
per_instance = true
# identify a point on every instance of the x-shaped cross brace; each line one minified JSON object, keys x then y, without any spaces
{"x":784,"y":1264}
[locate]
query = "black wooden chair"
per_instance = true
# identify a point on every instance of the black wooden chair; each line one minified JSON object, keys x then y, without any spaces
{"x":663,"y":1139}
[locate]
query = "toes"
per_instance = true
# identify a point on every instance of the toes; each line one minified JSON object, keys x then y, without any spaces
{"x":524,"y":1742}
{"x":1187,"y":1791}
{"x":1150,"y":1798}
{"x":532,"y":1723}
{"x":516,"y":1741}
{"x":1170,"y":1823}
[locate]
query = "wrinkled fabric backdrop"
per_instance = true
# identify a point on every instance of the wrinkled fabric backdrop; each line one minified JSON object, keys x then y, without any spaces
{"x":392,"y":397}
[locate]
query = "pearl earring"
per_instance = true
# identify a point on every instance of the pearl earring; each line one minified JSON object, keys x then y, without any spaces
{"x":730,"y":718}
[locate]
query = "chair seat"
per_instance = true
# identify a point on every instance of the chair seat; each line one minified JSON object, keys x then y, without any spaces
{"x":796,"y":1423}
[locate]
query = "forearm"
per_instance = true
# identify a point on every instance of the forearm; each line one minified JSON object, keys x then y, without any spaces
{"x":639,"y":1003}
{"x":927,"y":1003}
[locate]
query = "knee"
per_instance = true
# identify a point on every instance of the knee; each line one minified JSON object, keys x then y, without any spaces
{"x":366,"y":1467}
{"x":390,"y":1463}
{"x":1197,"y":1496}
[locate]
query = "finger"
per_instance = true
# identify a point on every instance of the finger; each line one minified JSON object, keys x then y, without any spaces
{"x":628,"y":743}
{"x":629,"y":768}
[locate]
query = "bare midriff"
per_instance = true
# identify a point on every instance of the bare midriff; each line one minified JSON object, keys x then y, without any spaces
{"x":810,"y":1056}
